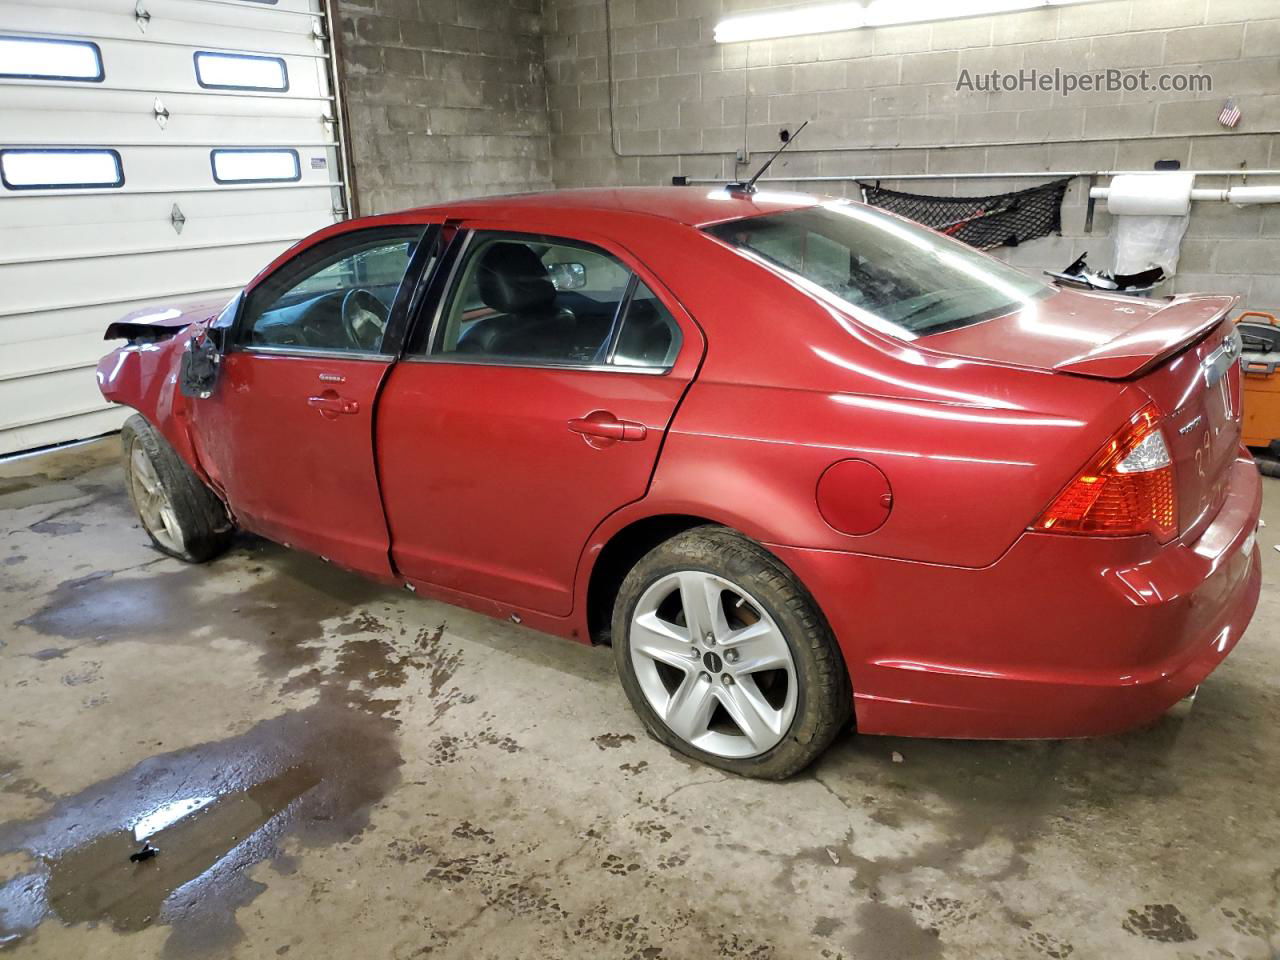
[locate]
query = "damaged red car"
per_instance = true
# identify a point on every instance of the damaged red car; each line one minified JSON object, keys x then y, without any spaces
{"x":800,"y":461}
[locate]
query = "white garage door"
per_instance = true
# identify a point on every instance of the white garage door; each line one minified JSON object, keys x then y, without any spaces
{"x":149,"y":151}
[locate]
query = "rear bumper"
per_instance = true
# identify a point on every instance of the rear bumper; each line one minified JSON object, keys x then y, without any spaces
{"x":1062,"y":637}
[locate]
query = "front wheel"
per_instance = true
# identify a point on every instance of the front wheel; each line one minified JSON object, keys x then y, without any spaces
{"x":726,"y":658}
{"x":182,"y":516}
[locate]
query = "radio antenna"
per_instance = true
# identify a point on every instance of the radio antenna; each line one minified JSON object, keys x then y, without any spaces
{"x":750,"y":185}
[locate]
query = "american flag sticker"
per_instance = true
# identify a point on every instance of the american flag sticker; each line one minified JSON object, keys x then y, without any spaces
{"x":1230,"y":114}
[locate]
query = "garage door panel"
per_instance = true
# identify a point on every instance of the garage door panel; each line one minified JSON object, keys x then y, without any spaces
{"x":47,"y":433}
{"x":37,"y":358}
{"x":55,"y":396}
{"x":125,"y":240}
{"x":73,"y":351}
{"x":16,"y":98}
{"x":72,"y":259}
{"x":85,"y":323}
{"x":55,"y":211}
{"x":178,"y":168}
{"x":32,"y":285}
{"x":166,"y":69}
{"x":121,"y":26}
{"x":283,"y":15}
{"x":24,"y":127}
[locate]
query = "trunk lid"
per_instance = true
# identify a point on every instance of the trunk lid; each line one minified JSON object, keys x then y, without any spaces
{"x":1093,"y":335}
{"x":1200,"y":391}
{"x":1183,"y":353}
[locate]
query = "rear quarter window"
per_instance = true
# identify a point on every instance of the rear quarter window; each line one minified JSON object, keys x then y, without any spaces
{"x":898,"y":274}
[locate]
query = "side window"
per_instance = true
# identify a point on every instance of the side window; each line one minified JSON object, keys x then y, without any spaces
{"x":648,"y":335}
{"x":542,"y":300}
{"x":336,"y":295}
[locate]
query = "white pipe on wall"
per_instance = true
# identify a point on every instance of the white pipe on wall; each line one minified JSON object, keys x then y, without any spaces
{"x":1240,"y":196}
{"x":988,"y":175}
{"x":1243,"y":196}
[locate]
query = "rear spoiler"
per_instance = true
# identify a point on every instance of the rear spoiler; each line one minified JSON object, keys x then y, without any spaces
{"x":1168,"y":331}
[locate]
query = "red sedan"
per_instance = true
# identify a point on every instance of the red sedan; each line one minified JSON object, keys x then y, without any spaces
{"x":799,"y":460}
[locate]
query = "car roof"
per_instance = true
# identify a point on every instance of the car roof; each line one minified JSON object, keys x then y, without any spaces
{"x":693,"y":205}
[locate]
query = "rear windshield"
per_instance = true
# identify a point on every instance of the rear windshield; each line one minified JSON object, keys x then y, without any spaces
{"x":911,"y":280}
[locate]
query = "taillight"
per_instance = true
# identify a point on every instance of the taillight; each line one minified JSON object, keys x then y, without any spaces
{"x":1127,"y":488}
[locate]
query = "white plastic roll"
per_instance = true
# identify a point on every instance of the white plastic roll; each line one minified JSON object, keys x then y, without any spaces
{"x":1150,"y":194}
{"x":1244,"y":196}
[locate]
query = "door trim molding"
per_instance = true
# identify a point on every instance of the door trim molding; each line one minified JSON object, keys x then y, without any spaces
{"x":302,"y":353}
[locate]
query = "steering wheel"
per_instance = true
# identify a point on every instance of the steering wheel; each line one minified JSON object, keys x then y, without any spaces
{"x":364,"y":317}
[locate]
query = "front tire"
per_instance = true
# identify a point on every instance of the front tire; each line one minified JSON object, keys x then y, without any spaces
{"x":181,"y":515}
{"x":726,"y":658}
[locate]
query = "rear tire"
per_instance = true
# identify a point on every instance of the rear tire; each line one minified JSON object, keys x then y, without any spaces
{"x":758,"y":686}
{"x":181,"y":515}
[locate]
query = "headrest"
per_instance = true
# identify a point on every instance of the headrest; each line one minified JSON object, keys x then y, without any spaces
{"x":513,"y":279}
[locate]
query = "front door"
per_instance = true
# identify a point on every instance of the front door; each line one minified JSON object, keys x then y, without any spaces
{"x":535,"y":406}
{"x":288,"y":431}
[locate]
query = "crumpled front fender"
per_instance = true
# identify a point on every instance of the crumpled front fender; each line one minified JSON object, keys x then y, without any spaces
{"x":144,"y":373}
{"x":144,"y":376}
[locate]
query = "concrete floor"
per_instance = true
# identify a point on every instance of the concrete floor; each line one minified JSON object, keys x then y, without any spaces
{"x":382,"y":776}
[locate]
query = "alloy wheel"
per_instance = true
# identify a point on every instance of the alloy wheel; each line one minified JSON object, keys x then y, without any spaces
{"x":155,"y":508}
{"x":713,"y":665}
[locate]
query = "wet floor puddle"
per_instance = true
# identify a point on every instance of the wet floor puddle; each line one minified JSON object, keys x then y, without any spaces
{"x":100,"y":882}
{"x":309,"y":777}
{"x":211,"y":812}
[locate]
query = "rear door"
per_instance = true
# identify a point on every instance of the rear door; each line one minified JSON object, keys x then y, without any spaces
{"x":287,"y":433}
{"x":531,"y":406}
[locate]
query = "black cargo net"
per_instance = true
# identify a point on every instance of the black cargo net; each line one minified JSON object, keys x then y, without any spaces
{"x":1002,"y":220}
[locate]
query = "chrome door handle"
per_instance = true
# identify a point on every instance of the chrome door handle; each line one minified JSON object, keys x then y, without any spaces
{"x":331,"y":405}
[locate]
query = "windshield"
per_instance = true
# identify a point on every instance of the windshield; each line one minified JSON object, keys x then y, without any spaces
{"x":908,"y":278}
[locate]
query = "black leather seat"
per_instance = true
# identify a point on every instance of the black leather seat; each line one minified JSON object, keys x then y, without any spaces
{"x":513,"y":281}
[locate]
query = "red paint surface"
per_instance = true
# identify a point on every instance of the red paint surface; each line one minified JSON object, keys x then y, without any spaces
{"x":498,"y":499}
{"x":471,"y":482}
{"x":320,"y":494}
{"x":854,"y":497}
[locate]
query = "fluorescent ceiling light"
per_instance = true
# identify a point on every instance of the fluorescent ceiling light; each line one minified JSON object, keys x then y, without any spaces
{"x":834,"y":17}
{"x":880,"y":12}
{"x":795,"y":22}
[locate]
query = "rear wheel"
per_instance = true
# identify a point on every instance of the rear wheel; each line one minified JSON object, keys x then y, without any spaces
{"x":726,"y":658}
{"x":181,"y":515}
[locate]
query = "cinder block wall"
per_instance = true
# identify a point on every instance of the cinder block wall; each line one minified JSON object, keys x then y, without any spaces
{"x":884,"y":101}
{"x":445,"y":99}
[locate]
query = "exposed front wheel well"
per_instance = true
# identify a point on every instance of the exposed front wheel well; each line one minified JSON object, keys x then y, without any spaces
{"x":617,"y":558}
